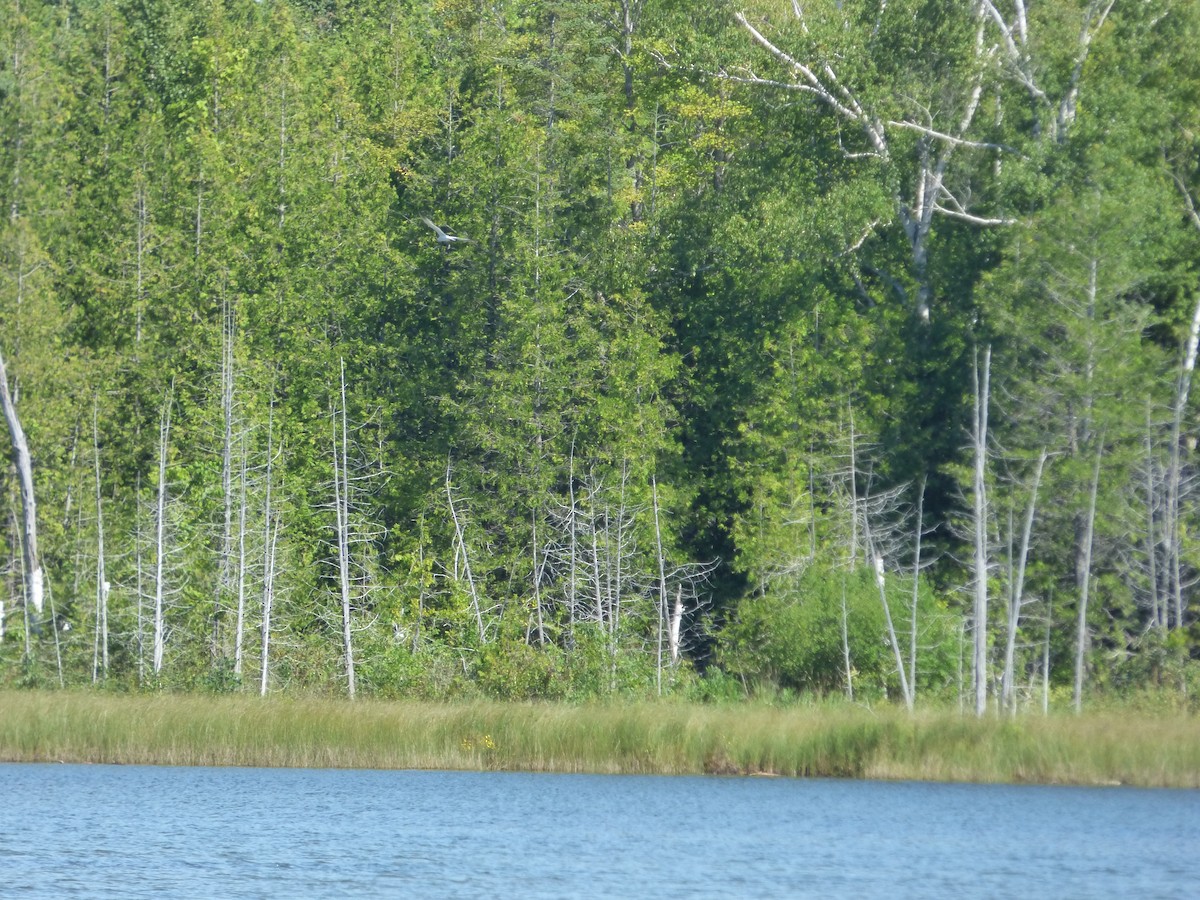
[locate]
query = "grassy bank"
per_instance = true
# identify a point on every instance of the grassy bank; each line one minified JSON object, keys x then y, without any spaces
{"x":668,"y":738}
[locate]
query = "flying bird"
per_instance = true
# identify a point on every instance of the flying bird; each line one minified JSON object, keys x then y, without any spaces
{"x":442,"y":237}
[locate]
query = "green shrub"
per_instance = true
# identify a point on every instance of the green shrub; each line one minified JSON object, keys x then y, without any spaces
{"x":792,"y":638}
{"x":514,"y":670}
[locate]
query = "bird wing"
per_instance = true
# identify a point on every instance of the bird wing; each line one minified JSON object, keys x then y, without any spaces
{"x":438,"y":231}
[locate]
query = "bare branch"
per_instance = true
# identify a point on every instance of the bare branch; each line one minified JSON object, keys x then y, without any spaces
{"x":1016,"y":54}
{"x":1010,"y":44}
{"x":857,"y":245}
{"x":949,"y":138}
{"x":973,"y":219}
{"x":1188,"y":200}
{"x":847,"y":107}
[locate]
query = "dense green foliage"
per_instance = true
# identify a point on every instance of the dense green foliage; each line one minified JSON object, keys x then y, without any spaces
{"x":689,"y":405}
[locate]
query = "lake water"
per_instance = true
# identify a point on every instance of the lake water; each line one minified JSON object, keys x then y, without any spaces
{"x":132,"y":831}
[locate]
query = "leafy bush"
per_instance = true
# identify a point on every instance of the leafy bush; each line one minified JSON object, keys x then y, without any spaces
{"x":514,"y":670}
{"x":791,"y":639}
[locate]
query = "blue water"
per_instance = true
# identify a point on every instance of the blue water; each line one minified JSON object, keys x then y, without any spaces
{"x":109,"y":831}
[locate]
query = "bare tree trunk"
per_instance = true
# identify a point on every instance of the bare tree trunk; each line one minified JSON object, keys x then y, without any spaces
{"x":270,"y":536}
{"x":597,"y":571}
{"x":881,"y":584}
{"x":676,"y":620}
{"x":140,"y":588}
{"x":240,"y":632}
{"x":1018,"y":593}
{"x":32,"y":568}
{"x":1183,"y":387}
{"x":979,"y":440}
{"x":99,"y":665}
{"x":573,"y":531}
{"x":1081,"y":623}
{"x":461,"y":536}
{"x":537,"y":578}
{"x":662,"y":583}
{"x":341,"y":490}
{"x":1174,"y":472}
{"x":846,"y":644}
{"x":164,"y":434}
{"x":916,"y":591}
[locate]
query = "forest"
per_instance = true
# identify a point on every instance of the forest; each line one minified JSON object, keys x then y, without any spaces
{"x":602,"y":348}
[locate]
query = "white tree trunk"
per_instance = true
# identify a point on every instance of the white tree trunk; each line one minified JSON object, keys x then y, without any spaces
{"x":239,"y":634}
{"x":662,"y":583}
{"x":140,"y":587}
{"x":846,"y":645}
{"x":1081,"y":632}
{"x":341,"y":490}
{"x":1018,"y":594}
{"x":676,"y":621}
{"x":881,"y":584}
{"x":164,"y":435}
{"x":32,"y":571}
{"x":1174,"y":473}
{"x":272,"y":538}
{"x":99,"y":665}
{"x":916,"y":592}
{"x":573,"y":568}
{"x":269,"y":538}
{"x":461,"y":538}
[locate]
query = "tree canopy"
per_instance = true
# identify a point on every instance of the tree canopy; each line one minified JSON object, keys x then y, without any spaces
{"x":575,"y":347}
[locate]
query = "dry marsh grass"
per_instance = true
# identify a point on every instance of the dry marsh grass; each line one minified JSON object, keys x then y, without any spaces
{"x":666,"y":738}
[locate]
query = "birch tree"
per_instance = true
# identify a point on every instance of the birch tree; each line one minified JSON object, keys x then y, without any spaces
{"x":909,"y":81}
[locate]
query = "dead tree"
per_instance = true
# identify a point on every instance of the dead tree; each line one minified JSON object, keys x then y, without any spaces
{"x":462,"y":554}
{"x":1017,"y":588}
{"x":160,"y":536}
{"x":270,"y":541}
{"x":354,"y":535}
{"x":1081,"y":634}
{"x":34,"y":578}
{"x":100,"y":657}
{"x":341,"y":499}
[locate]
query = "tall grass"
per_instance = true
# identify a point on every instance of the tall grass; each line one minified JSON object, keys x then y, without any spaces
{"x":667,"y":738}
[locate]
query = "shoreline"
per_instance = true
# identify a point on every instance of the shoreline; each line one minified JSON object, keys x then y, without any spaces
{"x":663,"y":738}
